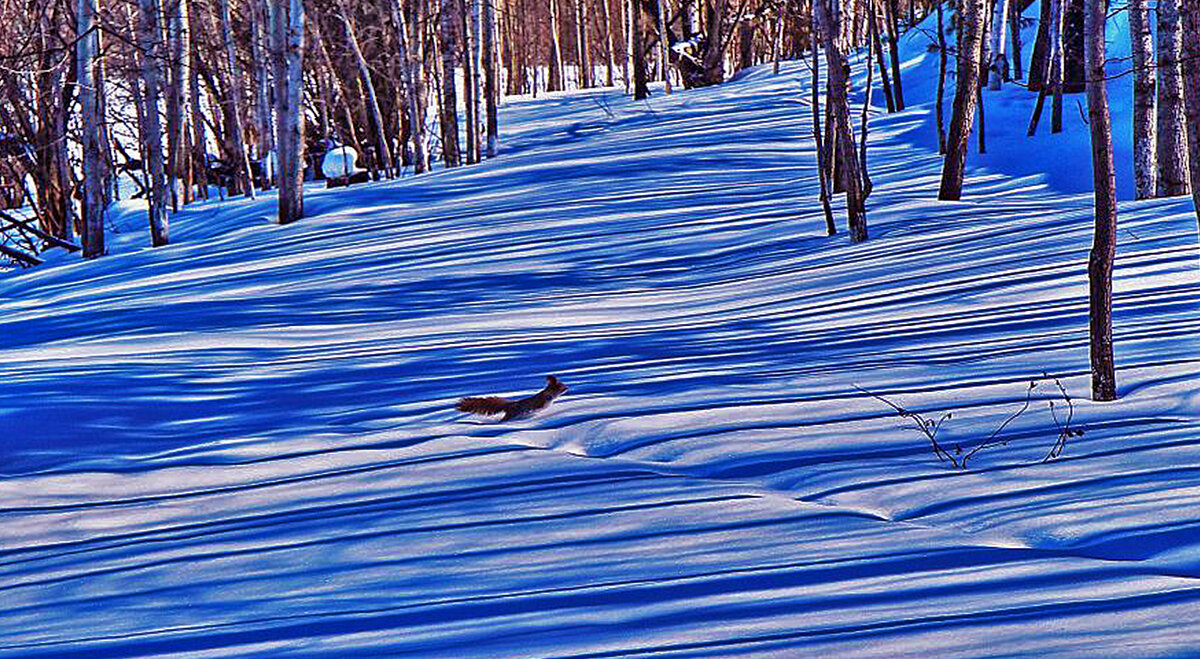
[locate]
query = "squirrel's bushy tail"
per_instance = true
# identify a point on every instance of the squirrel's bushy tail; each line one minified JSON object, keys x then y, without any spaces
{"x":486,"y":406}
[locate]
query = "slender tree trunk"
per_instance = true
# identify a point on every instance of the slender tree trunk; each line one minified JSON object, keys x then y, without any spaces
{"x":177,"y":103}
{"x":1057,"y":65}
{"x":877,"y":48}
{"x":199,"y":135}
{"x":372,"y":100}
{"x":941,"y":86}
{"x":1143,"y":100}
{"x":1104,"y":243}
{"x":777,"y":38}
{"x":609,"y":43}
{"x":999,"y":58}
{"x":1039,"y":63}
{"x":664,"y":47}
{"x":1191,"y":93}
{"x":289,"y":107}
{"x":413,"y":82}
{"x":641,"y":88}
{"x":235,"y":134}
{"x":260,"y":14}
{"x":1014,"y":28}
{"x":581,"y":44}
{"x":471,"y":78}
{"x":90,"y":125}
{"x":628,"y":20}
{"x":965,"y":101}
{"x":491,"y":86}
{"x":893,"y":30}
{"x":1172,"y":158}
{"x":449,"y":113}
{"x":558,"y":78}
{"x":149,"y":43}
{"x":818,"y":139}
{"x":841,"y":125}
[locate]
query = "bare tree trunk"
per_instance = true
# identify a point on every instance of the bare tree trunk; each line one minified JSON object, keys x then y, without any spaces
{"x":449,"y":113}
{"x":641,"y":88}
{"x":893,"y":30}
{"x":609,"y":43}
{"x":90,"y":127}
{"x":412,"y":79}
{"x":199,"y":135}
{"x":260,"y":14}
{"x":288,"y":45}
{"x":471,"y":79}
{"x":1015,"y":29}
{"x":941,"y":86}
{"x":999,"y":58}
{"x":491,"y":83}
{"x":822,"y":153}
{"x":558,"y":78}
{"x":177,"y":38}
{"x":877,"y":47}
{"x":965,"y":101}
{"x":1104,"y":243}
{"x":235,"y":133}
{"x":628,"y":19}
{"x":1057,"y":64}
{"x":1039,"y":63}
{"x":1143,"y":100}
{"x":664,"y":48}
{"x":581,"y":44}
{"x":841,"y":125}
{"x":1172,"y":158}
{"x":1191,"y":93}
{"x":476,"y":33}
{"x":149,"y":43}
{"x":373,"y":112}
{"x":777,"y":38}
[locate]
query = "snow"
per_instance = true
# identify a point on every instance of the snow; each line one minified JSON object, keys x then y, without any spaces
{"x":244,"y":443}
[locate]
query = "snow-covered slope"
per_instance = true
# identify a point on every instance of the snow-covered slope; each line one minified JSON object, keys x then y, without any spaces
{"x":244,"y":443}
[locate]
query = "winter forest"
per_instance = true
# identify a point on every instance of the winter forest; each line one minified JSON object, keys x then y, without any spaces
{"x":600,"y":328}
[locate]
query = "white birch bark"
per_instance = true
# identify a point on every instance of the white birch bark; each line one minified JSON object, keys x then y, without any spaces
{"x":413,"y":82}
{"x":288,"y":28}
{"x":1144,"y":156}
{"x":90,"y":127}
{"x":998,"y":46}
{"x":176,"y":95}
{"x":1172,"y":158}
{"x":150,"y":44}
{"x":491,"y":78}
{"x":236,"y":131}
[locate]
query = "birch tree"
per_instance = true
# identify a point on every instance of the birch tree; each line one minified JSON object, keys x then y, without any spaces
{"x":413,"y":81}
{"x":841,"y":124}
{"x":90,"y":122}
{"x":1103,"y":253}
{"x":491,"y":80}
{"x":557,"y":75}
{"x":288,"y":42}
{"x":149,"y":45}
{"x":999,"y":63}
{"x":176,"y":97}
{"x":966,"y":89}
{"x":449,"y":108}
{"x":1143,"y":100}
{"x":1172,"y":157}
{"x":234,"y":132}
{"x":1191,"y":92}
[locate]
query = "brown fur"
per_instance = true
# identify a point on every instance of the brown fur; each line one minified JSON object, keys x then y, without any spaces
{"x":514,"y":409}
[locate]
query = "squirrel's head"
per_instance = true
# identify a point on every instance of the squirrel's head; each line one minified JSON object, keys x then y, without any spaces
{"x":555,"y":386}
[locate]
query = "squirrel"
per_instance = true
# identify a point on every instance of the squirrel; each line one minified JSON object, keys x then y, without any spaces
{"x":514,"y":409}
